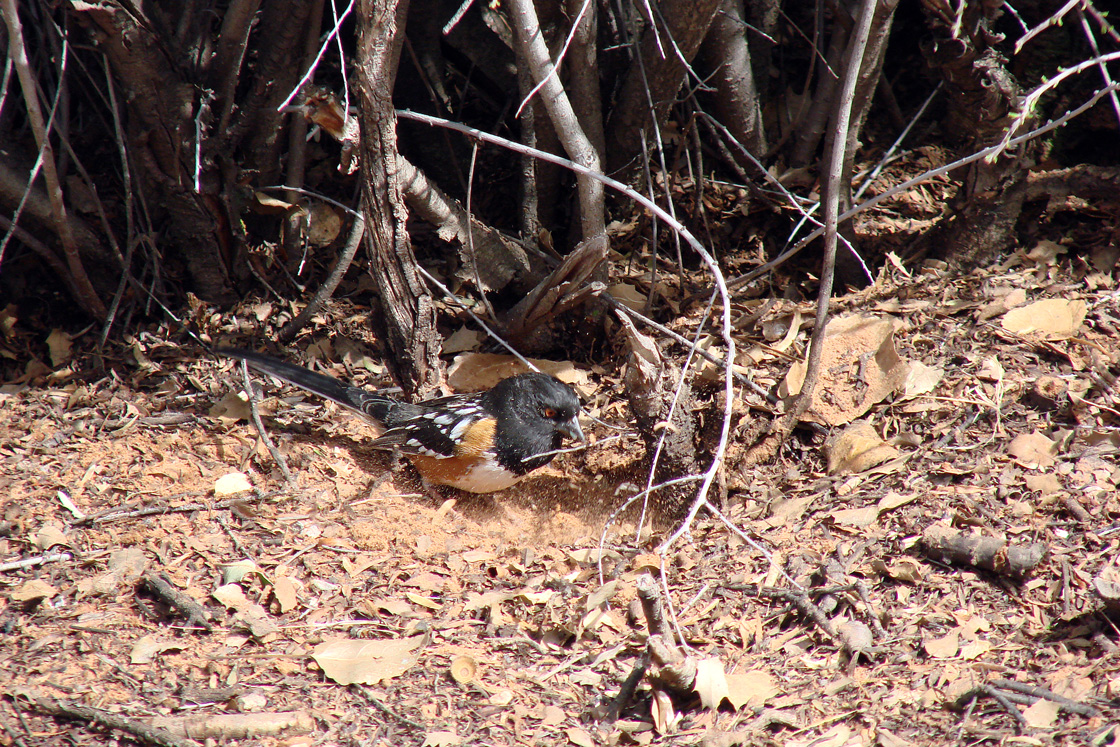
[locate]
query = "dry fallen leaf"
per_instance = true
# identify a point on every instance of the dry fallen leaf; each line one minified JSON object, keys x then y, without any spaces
{"x":231,"y":408}
{"x":859,"y":368}
{"x":788,"y":511}
{"x":284,"y":591}
{"x":602,"y":595}
{"x":50,"y":535}
{"x":235,"y":572}
{"x":145,"y":649}
{"x":855,"y":517}
{"x":975,"y":649}
{"x":711,"y":682}
{"x":1042,"y":714}
{"x":1051,"y":318}
{"x":34,"y":589}
{"x":945,"y":647}
{"x":461,"y":341}
{"x":628,"y":296}
{"x":473,"y":372}
{"x":919,"y":379}
{"x":59,"y":343}
{"x":902,"y":570}
{"x":838,"y":736}
{"x":441,"y":739}
{"x":1033,"y":450}
{"x":580,"y":738}
{"x":894,"y":500}
{"x":857,"y":448}
{"x":366,"y":662}
{"x":1046,"y":252}
{"x":231,"y":484}
{"x":665,"y":717}
{"x":751,"y":688}
{"x":232,"y":596}
{"x":323,"y":224}
{"x":552,"y":716}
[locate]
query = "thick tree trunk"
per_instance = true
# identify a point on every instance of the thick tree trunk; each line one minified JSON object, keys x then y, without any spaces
{"x":657,"y":75}
{"x":729,"y":58}
{"x":406,"y":324}
{"x":162,"y":108}
{"x":982,"y":95}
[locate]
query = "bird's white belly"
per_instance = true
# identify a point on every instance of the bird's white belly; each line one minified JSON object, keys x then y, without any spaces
{"x":485,"y":476}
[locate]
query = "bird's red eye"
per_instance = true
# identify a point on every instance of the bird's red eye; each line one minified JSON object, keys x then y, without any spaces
{"x":549,"y":413}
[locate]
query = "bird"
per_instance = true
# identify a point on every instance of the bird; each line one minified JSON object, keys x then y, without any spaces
{"x":480,"y":442}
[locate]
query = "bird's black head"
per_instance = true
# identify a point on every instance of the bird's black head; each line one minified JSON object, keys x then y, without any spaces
{"x":534,"y":411}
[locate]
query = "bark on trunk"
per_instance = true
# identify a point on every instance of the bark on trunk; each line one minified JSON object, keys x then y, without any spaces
{"x":657,"y":75}
{"x":406,"y":324}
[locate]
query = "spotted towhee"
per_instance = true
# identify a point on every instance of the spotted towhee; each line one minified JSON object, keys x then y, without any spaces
{"x":478,"y":442}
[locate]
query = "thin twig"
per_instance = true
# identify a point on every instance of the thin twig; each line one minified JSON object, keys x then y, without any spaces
{"x":137,"y":513}
{"x":1072,"y":706}
{"x":192,"y":610}
{"x":376,"y":702}
{"x":276,"y":455}
{"x":327,"y":289}
{"x":1007,"y":705}
{"x":17,"y":565}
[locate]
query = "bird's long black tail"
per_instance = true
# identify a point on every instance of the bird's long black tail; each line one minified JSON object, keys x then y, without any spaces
{"x":367,"y":403}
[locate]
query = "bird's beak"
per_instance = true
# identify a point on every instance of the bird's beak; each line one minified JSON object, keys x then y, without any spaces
{"x":572,"y":430}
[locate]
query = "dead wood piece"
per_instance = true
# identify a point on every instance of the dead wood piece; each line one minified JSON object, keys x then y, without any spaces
{"x":655,"y":76}
{"x":801,"y":600}
{"x":626,"y":693}
{"x":1041,"y":692}
{"x":1076,"y":509}
{"x":195,"y":612}
{"x":665,"y":421}
{"x":949,"y":546}
{"x":581,"y":144}
{"x":650,"y":597}
{"x":222,"y":726}
{"x":86,"y":296}
{"x":806,"y":607}
{"x":725,"y":50}
{"x":1008,"y":693}
{"x":209,"y":694}
{"x":1084,"y":180}
{"x":256,"y":415}
{"x":1107,"y":586}
{"x":143,"y":732}
{"x":157,"y":134}
{"x":1005,"y":701}
{"x":669,"y":666}
{"x":563,"y":289}
{"x":496,"y":261}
